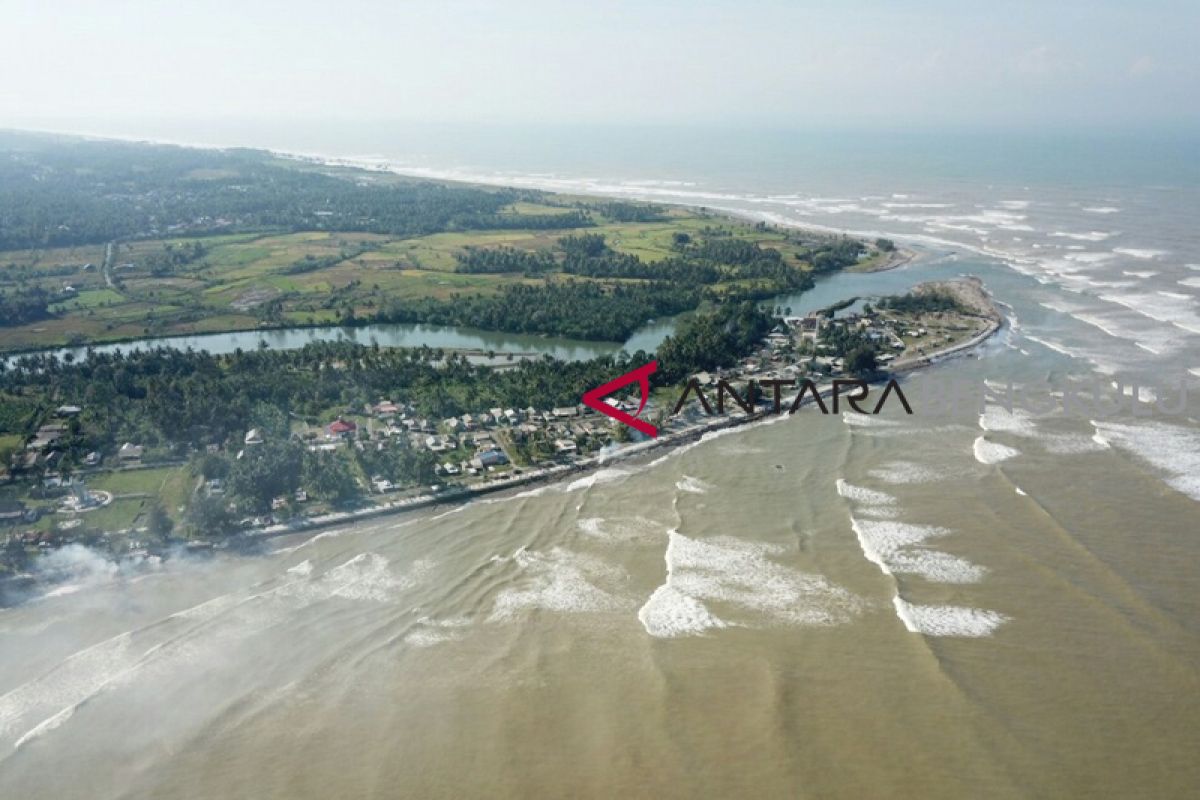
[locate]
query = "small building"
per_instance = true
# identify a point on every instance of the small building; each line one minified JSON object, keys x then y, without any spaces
{"x":68,"y":411}
{"x":253,"y":436}
{"x":489,"y":458}
{"x":47,"y":436}
{"x":341,"y":428}
{"x":565,"y":446}
{"x":130,"y":452}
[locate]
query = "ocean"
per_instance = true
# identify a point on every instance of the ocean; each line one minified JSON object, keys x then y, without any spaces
{"x":968,"y":602}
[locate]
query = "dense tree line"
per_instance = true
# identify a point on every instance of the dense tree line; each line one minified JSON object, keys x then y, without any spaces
{"x":173,"y":257}
{"x":631,"y":212}
{"x":504,"y":259}
{"x":162,"y":397}
{"x":712,"y":340}
{"x":684,"y":271}
{"x":602,"y":311}
{"x":926,"y":302}
{"x":575,"y":309}
{"x":169,"y":398}
{"x":24,"y":305}
{"x":538,"y":222}
{"x":61,"y":191}
{"x":839,"y":254}
{"x":178,"y":402}
{"x":583,"y":245}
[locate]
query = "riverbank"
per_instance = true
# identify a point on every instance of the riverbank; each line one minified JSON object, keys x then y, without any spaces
{"x":899,"y":257}
{"x":969,"y":290}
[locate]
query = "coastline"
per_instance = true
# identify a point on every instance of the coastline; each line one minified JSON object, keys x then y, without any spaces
{"x":696,"y":431}
{"x":969,"y":290}
{"x":692,"y":432}
{"x":900,"y":257}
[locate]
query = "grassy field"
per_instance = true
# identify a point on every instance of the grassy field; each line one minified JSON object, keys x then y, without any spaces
{"x":244,"y":281}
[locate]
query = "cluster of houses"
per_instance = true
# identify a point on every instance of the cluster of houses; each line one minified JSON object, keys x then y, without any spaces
{"x":44,"y":451}
{"x":797,"y":349}
{"x":471,"y":444}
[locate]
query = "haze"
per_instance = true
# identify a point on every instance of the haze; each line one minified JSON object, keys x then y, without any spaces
{"x":656,"y":61}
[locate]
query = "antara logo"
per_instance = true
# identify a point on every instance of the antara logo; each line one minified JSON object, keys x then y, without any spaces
{"x":595,"y":398}
{"x":859,"y":391}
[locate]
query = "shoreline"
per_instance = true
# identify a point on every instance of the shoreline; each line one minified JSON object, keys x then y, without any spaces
{"x":900,"y":257}
{"x":440,"y":175}
{"x":692,"y":432}
{"x":969,"y":288}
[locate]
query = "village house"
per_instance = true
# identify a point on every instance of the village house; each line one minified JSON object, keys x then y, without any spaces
{"x":47,"y":436}
{"x":489,"y":458}
{"x":340,"y":429}
{"x":386,"y":409}
{"x":130,"y":452}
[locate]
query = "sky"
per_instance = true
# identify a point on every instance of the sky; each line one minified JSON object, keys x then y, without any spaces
{"x":753,"y":62}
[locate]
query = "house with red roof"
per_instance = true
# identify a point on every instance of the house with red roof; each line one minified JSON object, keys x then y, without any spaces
{"x":340,"y":428}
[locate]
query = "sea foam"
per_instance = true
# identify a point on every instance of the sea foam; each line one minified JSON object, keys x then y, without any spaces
{"x":993,"y":452}
{"x":1171,"y":448}
{"x":898,"y":547}
{"x":741,"y":575}
{"x":908,"y":472}
{"x":947,"y":620}
{"x":561,"y":581}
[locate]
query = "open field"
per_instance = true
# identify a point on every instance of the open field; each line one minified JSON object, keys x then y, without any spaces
{"x":182,"y":285}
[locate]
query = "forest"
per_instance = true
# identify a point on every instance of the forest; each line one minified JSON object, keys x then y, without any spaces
{"x":175,"y":400}
{"x":572,"y":309}
{"x":58,"y":191}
